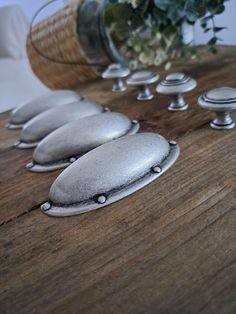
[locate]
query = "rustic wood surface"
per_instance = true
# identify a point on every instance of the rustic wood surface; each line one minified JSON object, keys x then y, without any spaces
{"x":169,"y":248}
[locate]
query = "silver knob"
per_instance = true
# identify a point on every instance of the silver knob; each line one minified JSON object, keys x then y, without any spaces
{"x":116,"y":72}
{"x":143,"y":80}
{"x":175,"y":85}
{"x":222,"y":100}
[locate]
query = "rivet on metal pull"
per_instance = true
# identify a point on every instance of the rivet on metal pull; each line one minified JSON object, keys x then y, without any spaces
{"x":101,"y":199}
{"x":72,"y":159}
{"x":30,"y":165}
{"x":17,"y":143}
{"x":157,"y":169}
{"x":172,"y":142}
{"x":45,"y":207}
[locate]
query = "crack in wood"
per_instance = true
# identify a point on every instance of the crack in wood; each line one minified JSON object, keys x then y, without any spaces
{"x":5,"y":222}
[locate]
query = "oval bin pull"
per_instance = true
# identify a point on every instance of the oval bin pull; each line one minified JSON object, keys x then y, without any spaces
{"x":109,"y":173}
{"x":45,"y":123}
{"x":65,"y":145}
{"x":26,"y":112}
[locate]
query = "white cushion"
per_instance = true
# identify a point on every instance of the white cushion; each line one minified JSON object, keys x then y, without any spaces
{"x":14,"y":28}
{"x":18,"y":84}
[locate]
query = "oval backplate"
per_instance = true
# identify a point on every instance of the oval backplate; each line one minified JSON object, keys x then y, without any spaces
{"x":109,"y":173}
{"x":68,"y":143}
{"x":45,"y":123}
{"x":26,"y":112}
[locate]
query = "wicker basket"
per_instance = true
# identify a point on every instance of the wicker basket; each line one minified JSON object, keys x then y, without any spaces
{"x":55,"y":50}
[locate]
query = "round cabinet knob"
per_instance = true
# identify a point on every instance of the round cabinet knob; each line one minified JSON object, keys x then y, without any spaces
{"x":116,"y":72}
{"x":223,"y":101}
{"x":175,"y":85}
{"x":142,"y":80}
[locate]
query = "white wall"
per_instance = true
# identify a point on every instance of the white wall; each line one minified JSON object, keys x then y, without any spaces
{"x":30,"y":7}
{"x":227,"y":19}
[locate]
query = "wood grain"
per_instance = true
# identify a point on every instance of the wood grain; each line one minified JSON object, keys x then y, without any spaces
{"x":169,"y":248}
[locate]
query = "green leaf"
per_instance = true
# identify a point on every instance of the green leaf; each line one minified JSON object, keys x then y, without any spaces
{"x":206,"y":18}
{"x":218,"y":29}
{"x":121,"y":30}
{"x":212,"y":41}
{"x":216,"y":9}
{"x":122,"y":11}
{"x":206,"y":30}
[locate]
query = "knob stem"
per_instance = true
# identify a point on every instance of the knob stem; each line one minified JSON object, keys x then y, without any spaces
{"x":143,"y":80}
{"x":145,"y":93}
{"x":119,"y":85}
{"x":223,"y":120}
{"x":178,"y":103}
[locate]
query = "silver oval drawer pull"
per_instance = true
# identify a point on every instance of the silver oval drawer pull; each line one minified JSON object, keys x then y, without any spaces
{"x":175,"y":85}
{"x":65,"y":145}
{"x":142,"y":80}
{"x":222,"y":100}
{"x":45,"y":123}
{"x":116,"y":72}
{"x":109,"y":173}
{"x":26,"y":112}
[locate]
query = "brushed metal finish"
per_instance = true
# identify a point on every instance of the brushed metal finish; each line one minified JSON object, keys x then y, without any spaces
{"x":109,"y":173}
{"x":222,"y":100}
{"x":65,"y":145}
{"x":26,"y":112}
{"x":176,"y":84}
{"x":116,"y":72}
{"x":45,"y":123}
{"x":142,"y":80}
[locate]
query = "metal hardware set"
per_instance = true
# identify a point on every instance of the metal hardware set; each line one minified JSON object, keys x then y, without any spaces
{"x":222,"y":100}
{"x":107,"y":160}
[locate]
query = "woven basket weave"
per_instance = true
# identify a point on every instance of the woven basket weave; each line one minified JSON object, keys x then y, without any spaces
{"x":55,"y":52}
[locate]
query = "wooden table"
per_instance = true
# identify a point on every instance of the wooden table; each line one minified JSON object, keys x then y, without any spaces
{"x":169,"y":248}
